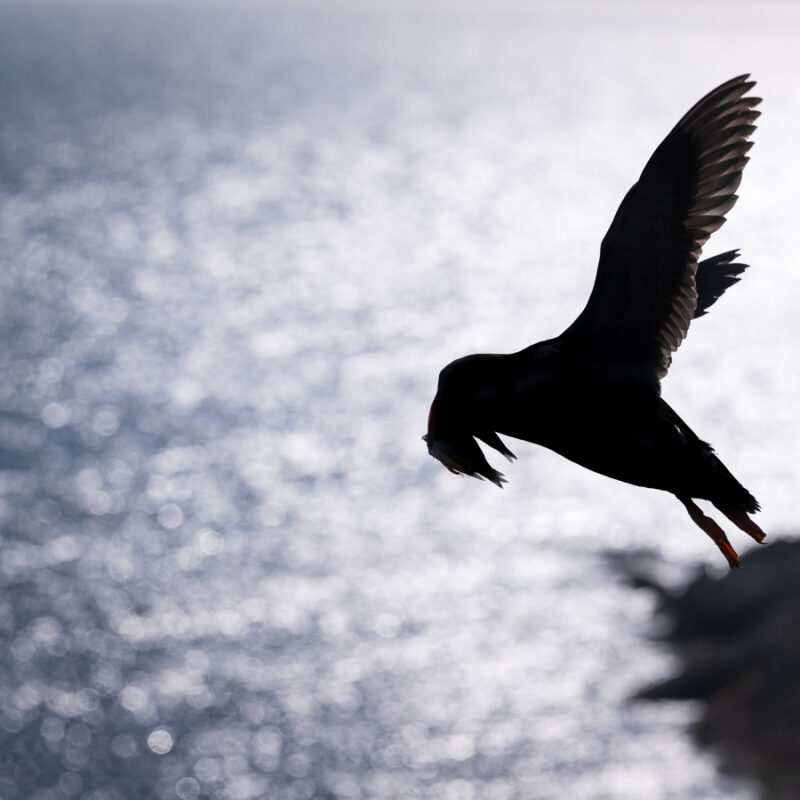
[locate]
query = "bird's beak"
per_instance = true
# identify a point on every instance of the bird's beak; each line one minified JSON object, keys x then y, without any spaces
{"x":462,"y":456}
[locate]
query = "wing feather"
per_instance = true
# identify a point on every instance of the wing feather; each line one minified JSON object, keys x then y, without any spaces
{"x":645,"y":295}
{"x":714,"y":276}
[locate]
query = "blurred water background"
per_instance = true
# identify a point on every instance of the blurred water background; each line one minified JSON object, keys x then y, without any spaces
{"x":238,"y":243}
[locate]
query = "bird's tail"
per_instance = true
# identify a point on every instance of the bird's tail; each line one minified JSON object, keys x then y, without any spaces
{"x":733,"y":500}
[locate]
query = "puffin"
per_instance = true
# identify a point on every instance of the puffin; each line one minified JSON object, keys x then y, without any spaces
{"x":593,"y":394}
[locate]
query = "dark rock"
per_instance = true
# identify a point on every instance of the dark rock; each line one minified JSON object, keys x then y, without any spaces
{"x":738,"y":640}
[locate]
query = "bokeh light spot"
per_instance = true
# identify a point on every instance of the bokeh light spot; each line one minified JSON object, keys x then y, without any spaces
{"x":160,"y":741}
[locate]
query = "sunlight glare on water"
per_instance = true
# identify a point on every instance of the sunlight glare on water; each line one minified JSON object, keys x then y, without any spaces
{"x":238,"y":245}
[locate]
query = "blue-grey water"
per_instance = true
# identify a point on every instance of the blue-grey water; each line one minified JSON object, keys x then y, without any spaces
{"x":238,"y":242}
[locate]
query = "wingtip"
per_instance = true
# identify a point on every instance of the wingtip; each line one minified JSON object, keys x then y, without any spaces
{"x":499,"y":480}
{"x":743,"y":80}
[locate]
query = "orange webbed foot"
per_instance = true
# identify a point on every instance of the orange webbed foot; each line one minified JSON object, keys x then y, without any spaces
{"x":713,"y":530}
{"x":743,"y":522}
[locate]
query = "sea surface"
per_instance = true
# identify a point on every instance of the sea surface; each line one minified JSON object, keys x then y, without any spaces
{"x":237,"y":244}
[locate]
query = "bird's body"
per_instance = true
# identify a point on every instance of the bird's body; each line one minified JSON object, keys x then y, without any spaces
{"x":607,"y":425}
{"x":593,"y":394}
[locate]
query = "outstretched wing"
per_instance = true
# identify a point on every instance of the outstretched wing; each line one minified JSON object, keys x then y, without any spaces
{"x":644,"y":295}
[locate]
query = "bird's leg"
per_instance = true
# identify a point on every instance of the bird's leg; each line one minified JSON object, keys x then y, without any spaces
{"x":713,"y":530}
{"x":741,"y":520}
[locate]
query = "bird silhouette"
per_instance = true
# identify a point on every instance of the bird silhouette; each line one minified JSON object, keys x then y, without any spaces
{"x":593,"y":394}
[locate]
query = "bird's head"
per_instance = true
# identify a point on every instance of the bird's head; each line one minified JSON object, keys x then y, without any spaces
{"x":455,"y":420}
